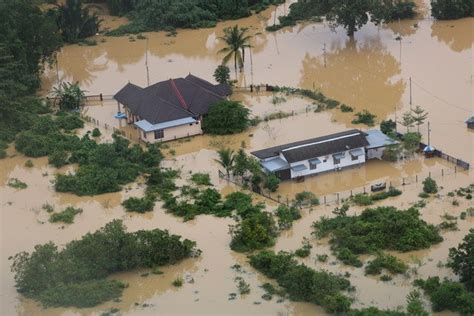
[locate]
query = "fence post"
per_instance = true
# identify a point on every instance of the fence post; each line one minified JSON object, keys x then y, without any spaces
{"x":403,"y":183}
{"x":416,"y":178}
{"x":455,"y":169}
{"x":390,"y":184}
{"x":287,"y":201}
{"x":101,"y":98}
{"x":429,"y":174}
{"x":337,"y":198}
{"x":351,"y":193}
{"x":364,"y":190}
{"x":442,"y":172}
{"x":324,"y":199}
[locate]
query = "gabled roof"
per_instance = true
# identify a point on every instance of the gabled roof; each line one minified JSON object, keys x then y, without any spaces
{"x":316,"y":147}
{"x":470,"y":120}
{"x":171,"y":99}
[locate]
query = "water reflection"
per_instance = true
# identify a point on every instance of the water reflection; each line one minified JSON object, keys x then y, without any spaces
{"x":457,"y":35}
{"x":360,"y":74}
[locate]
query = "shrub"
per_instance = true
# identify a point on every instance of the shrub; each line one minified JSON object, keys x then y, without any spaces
{"x":201,"y":178}
{"x":226,"y":117}
{"x":90,"y":260}
{"x":305,"y":198}
{"x":303,"y":283}
{"x":348,"y":257}
{"x":58,"y":158}
{"x":388,"y":127}
{"x":139,"y":205}
{"x":17,"y":184}
{"x":387,"y":262}
{"x":254,"y":232}
{"x":377,"y":229}
{"x":29,"y":164}
{"x":305,"y":249}
{"x":222,"y":74}
{"x":286,"y":215}
{"x":178,"y":282}
{"x":271,"y":182}
{"x":364,"y":117}
{"x":69,"y":122}
{"x":66,"y":216}
{"x":346,"y":108}
{"x":362,"y":199}
{"x":430,"y":186}
{"x":244,"y":287}
{"x":96,"y":132}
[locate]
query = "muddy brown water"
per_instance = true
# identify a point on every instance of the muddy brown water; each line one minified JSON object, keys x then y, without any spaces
{"x":371,"y":72}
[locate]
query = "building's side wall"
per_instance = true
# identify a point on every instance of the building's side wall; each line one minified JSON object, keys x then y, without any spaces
{"x":326,"y":166}
{"x":375,"y":153}
{"x":173,"y":133}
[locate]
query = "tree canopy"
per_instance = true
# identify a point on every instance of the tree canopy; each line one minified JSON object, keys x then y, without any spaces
{"x":226,"y":117}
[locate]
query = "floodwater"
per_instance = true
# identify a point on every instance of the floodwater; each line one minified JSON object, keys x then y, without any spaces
{"x":371,"y":72}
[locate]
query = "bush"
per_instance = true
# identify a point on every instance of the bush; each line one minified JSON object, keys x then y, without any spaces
{"x":430,"y":186}
{"x":17,"y":184}
{"x":139,"y":205}
{"x":58,"y":158}
{"x":69,"y":122}
{"x":226,"y":117}
{"x":286,"y":215}
{"x":305,"y":249}
{"x":348,"y":257}
{"x":387,"y":262}
{"x":201,"y":178}
{"x":303,"y":283}
{"x":305,"y":198}
{"x":90,"y":260}
{"x":388,"y":127}
{"x":346,"y":108}
{"x":257,"y":231}
{"x":96,"y":132}
{"x":66,"y":216}
{"x":377,"y":229}
{"x":362,"y":199}
{"x":222,"y":74}
{"x":364,"y":117}
{"x":271,"y":182}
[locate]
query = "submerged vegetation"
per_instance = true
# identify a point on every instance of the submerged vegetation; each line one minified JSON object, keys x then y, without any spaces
{"x":77,"y":275}
{"x":226,"y":117}
{"x":382,"y":228}
{"x":66,"y":216}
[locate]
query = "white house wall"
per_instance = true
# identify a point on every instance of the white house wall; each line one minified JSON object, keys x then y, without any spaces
{"x":173,"y":133}
{"x":375,"y":153}
{"x":328,"y":165}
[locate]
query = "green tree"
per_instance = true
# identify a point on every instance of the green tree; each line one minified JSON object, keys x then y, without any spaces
{"x":222,"y":74}
{"x":419,"y":116}
{"x":271,"y":182}
{"x":226,"y":117}
{"x":236,"y":40}
{"x":462,"y":260}
{"x":415,"y":304}
{"x":351,"y":14}
{"x":451,"y":9}
{"x":430,"y":186}
{"x":407,"y":120}
{"x":74,"y":21}
{"x":411,"y":142}
{"x":226,"y":159}
{"x":70,"y":95}
{"x":388,"y":127}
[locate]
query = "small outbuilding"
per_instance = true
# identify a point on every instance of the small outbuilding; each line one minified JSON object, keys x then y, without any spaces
{"x":470,"y":122}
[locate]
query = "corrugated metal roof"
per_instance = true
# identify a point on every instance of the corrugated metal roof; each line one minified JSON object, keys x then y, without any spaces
{"x":378,"y":139}
{"x":275,"y":164}
{"x":148,"y":127}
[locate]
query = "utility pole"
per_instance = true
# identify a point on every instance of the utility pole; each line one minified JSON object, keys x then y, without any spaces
{"x":324,"y":54}
{"x":146,"y":63}
{"x":57,"y":71}
{"x":429,"y":132}
{"x":396,"y":123}
{"x":410,"y":92}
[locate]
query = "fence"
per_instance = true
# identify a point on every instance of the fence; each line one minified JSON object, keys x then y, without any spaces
{"x":341,"y":196}
{"x":106,"y":126}
{"x":95,"y":99}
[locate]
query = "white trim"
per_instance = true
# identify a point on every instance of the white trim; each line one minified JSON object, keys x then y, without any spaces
{"x":322,"y":141}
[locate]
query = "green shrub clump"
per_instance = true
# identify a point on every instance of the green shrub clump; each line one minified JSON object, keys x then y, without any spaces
{"x":226,"y":117}
{"x":462,"y":260}
{"x":364,"y":117}
{"x":430,"y":186}
{"x":139,"y":205}
{"x":448,"y":295}
{"x":271,"y":182}
{"x":286,"y":215}
{"x":96,"y":132}
{"x":451,"y":9}
{"x":303,"y":283}
{"x":90,"y":260}
{"x":201,"y":178}
{"x":388,"y":262}
{"x":378,"y":229}
{"x":255,"y":231}
{"x":66,"y":216}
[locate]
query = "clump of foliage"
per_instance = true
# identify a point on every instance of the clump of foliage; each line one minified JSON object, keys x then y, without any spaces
{"x":242,"y":286}
{"x":430,"y":186}
{"x":388,"y":127}
{"x":200,"y":178}
{"x":320,"y":98}
{"x":286,"y":215}
{"x":447,"y":295}
{"x":66,"y":216}
{"x":345,"y":108}
{"x":70,"y":96}
{"x":305,"y":249}
{"x":385,"y":261}
{"x":96,"y":132}
{"x":17,"y":184}
{"x":90,"y":260}
{"x":222,"y":74}
{"x":178,"y":282}
{"x":462,"y":260}
{"x":348,"y":257}
{"x":451,"y":9}
{"x":168,"y":15}
{"x":382,"y":228}
{"x":139,"y":205}
{"x":305,"y":198}
{"x":226,"y":117}
{"x":69,"y":121}
{"x":271,"y":182}
{"x":105,"y":167}
{"x":303,"y":283}
{"x":255,"y":231}
{"x":364,"y":117}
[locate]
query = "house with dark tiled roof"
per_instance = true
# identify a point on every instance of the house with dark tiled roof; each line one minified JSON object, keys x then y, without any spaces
{"x":170,"y":109}
{"x":322,"y":154}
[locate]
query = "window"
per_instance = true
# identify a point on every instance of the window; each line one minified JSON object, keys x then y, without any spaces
{"x":313,"y":165}
{"x":337,"y":161}
{"x":355,"y":157}
{"x":159,"y":134}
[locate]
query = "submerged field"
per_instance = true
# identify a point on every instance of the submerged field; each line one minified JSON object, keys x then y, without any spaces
{"x":372,"y":72}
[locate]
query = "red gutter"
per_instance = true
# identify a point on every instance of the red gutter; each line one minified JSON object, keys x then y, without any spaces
{"x":178,"y":95}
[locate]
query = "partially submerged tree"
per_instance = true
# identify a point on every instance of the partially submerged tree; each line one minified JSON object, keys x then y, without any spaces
{"x":351,"y":14}
{"x":70,"y":95}
{"x":226,"y":117}
{"x":222,"y":74}
{"x":451,"y":9}
{"x":462,"y":260}
{"x":419,"y":116}
{"x":226,"y":159}
{"x":407,"y":121}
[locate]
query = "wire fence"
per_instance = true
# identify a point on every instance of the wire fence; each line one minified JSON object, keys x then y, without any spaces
{"x":341,"y":196}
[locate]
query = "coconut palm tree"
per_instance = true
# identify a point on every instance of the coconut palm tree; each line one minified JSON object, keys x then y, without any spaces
{"x":75,"y":22}
{"x":226,"y":159}
{"x":236,"y":40}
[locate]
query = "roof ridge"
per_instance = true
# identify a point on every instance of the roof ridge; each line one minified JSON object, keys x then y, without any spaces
{"x":178,"y":95}
{"x":211,"y":92}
